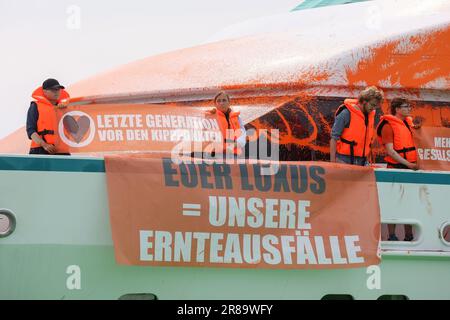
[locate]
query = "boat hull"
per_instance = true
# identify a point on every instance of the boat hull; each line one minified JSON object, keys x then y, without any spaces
{"x":62,"y":220}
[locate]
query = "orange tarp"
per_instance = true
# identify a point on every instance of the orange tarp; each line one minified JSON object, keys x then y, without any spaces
{"x":297,"y":215}
{"x":134,"y":127}
{"x":433,"y":148}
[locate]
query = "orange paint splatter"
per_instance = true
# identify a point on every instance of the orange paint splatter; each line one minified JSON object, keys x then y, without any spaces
{"x":410,"y":62}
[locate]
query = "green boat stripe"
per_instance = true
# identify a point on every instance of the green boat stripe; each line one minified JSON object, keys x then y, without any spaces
{"x":63,"y":164}
{"x":98,"y":166}
{"x":413,"y":177}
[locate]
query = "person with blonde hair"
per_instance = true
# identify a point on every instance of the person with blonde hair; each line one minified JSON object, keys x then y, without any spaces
{"x":353,"y":128}
{"x":230,"y":123}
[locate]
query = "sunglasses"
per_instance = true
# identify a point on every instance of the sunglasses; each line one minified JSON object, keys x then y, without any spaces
{"x":222,"y":100}
{"x":406,"y":106}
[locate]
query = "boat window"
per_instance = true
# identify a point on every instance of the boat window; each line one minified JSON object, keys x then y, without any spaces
{"x":310,"y":4}
{"x":400,"y":232}
{"x":7,"y":223}
{"x":445,"y":233}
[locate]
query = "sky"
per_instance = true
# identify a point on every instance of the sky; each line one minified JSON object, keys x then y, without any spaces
{"x":72,"y":39}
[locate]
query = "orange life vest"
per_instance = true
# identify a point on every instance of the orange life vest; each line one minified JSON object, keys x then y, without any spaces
{"x":233,"y":126}
{"x":403,"y":138}
{"x":355,"y":140}
{"x":46,"y":124}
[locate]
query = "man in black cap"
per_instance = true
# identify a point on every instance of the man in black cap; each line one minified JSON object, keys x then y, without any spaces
{"x":41,"y":117}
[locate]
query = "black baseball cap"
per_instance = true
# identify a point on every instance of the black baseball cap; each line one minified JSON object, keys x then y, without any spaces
{"x":51,"y":84}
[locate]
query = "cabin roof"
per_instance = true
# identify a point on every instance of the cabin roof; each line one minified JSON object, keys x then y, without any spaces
{"x":405,"y":46}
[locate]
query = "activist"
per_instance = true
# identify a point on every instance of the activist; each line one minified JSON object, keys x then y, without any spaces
{"x":230,"y":123}
{"x":352,"y":131}
{"x":394,"y":132}
{"x":41,"y":117}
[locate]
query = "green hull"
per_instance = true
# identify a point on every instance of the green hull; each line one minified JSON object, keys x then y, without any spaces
{"x":39,"y":272}
{"x":62,"y":220}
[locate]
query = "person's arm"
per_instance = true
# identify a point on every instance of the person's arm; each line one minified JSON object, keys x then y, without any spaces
{"x":332,"y":150}
{"x":48,"y":147}
{"x":342,"y":120}
{"x":63,"y":104}
{"x":37,"y":139}
{"x":32,"y":118}
{"x":242,"y":140}
{"x":394,"y":155}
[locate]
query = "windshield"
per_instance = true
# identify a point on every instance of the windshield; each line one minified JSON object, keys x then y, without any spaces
{"x":310,"y":4}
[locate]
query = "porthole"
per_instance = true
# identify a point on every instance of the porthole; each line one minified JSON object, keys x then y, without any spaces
{"x":445,"y":233}
{"x":7,"y":223}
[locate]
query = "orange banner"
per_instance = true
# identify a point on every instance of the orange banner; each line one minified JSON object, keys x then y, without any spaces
{"x":296,"y":215}
{"x":134,"y":127}
{"x":433,"y":148}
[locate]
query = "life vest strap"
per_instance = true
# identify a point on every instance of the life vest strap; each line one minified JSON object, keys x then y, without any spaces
{"x":45,"y":132}
{"x":352,"y":149}
{"x":405,"y":150}
{"x":352,"y":143}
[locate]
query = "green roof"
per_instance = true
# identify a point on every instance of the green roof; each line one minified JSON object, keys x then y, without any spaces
{"x":310,"y":4}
